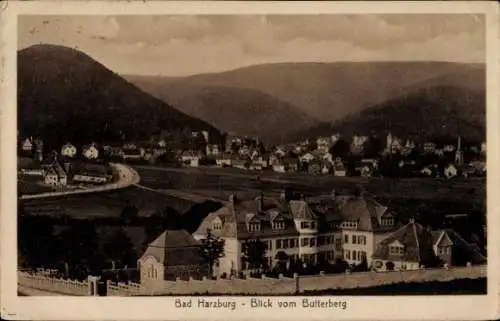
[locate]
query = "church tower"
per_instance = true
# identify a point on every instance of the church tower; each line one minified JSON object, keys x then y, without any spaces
{"x":389,"y":142}
{"x":459,"y":156}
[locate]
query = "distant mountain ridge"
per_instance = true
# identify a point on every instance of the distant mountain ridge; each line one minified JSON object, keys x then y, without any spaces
{"x":248,"y":112}
{"x":334,"y":94}
{"x":63,"y":94}
{"x":439,"y":111}
{"x":331,"y":91}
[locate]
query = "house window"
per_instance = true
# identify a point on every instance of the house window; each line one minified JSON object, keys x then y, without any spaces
{"x":279,"y":244}
{"x":307,"y":225}
{"x":285,"y":243}
{"x":280,"y":225}
{"x":253,"y":227}
{"x":359,"y":239}
{"x":354,"y":255}
{"x":403,"y":267}
{"x":338,"y":244}
{"x":305,"y":242}
{"x":347,"y":255}
{"x":217,"y":226}
{"x":313,"y":242}
{"x":396,"y":250}
{"x":293,"y":243}
{"x":346,"y":239}
{"x":330,"y":255}
{"x":387,"y":221}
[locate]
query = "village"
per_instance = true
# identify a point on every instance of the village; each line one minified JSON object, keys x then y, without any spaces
{"x":358,"y":156}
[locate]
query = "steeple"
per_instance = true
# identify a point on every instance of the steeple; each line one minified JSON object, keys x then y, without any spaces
{"x":389,"y":141}
{"x":459,"y":159}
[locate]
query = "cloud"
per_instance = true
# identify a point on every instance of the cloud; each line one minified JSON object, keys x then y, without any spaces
{"x":180,"y":45}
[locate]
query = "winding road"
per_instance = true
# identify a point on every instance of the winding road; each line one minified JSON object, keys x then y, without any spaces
{"x":127,"y":176}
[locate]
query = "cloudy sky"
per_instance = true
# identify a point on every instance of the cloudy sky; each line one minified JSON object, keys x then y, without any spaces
{"x":182,"y":45}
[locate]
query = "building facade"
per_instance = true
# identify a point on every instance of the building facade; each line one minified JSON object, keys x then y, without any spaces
{"x":414,"y":246}
{"x":309,"y":230}
{"x":174,"y":254}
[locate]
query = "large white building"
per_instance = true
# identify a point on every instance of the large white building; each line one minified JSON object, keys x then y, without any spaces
{"x":313,"y":229}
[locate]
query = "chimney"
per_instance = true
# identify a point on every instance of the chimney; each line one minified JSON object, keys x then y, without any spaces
{"x":260,"y":202}
{"x":232,"y":198}
{"x":283,"y":195}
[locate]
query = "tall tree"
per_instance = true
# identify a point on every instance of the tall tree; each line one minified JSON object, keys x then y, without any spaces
{"x":79,"y":248}
{"x":120,"y":249}
{"x":373,"y":147}
{"x":35,"y":242}
{"x":254,"y":253}
{"x":341,"y":149}
{"x":212,"y":249}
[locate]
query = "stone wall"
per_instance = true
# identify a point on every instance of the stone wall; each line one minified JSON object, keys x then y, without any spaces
{"x":262,"y":286}
{"x":57,"y":285}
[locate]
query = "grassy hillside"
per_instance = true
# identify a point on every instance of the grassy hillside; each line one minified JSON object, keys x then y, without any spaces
{"x":331,"y":91}
{"x":244,"y":111}
{"x":63,"y":94}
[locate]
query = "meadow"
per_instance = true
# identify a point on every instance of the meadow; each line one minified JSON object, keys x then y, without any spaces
{"x":106,"y":204}
{"x":222,"y":182}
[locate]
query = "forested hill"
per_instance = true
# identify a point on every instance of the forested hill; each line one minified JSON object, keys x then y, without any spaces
{"x":65,"y":95}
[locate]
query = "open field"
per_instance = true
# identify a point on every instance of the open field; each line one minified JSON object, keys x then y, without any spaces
{"x":226,"y":181}
{"x":405,"y":195}
{"x":104,"y":204}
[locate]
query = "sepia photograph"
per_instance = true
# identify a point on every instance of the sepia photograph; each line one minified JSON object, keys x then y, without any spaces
{"x":211,"y":157}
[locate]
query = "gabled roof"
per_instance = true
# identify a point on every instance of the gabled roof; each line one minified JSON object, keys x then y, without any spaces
{"x":174,"y":247}
{"x":190,"y":153}
{"x":301,"y":210}
{"x":470,"y":250}
{"x":365,"y":210}
{"x":417,"y":242}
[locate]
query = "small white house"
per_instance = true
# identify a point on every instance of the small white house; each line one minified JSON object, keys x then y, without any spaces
{"x":450,"y":171}
{"x":278,"y":167}
{"x":190,"y":158}
{"x":68,"y":150}
{"x":339,"y":171}
{"x":426,"y":171}
{"x":223,"y":160}
{"x":91,"y":152}
{"x":27,"y":144}
{"x":306,"y":158}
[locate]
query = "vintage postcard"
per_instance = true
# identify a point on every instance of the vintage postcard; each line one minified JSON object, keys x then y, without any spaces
{"x":249,"y":160}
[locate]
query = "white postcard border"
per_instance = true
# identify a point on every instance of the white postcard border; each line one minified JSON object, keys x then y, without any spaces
{"x":160,"y":308}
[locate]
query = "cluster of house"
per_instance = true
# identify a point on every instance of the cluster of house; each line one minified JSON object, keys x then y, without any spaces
{"x":300,"y":157}
{"x":310,"y":230}
{"x":58,"y":169}
{"x":34,"y":147}
{"x":59,"y":174}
